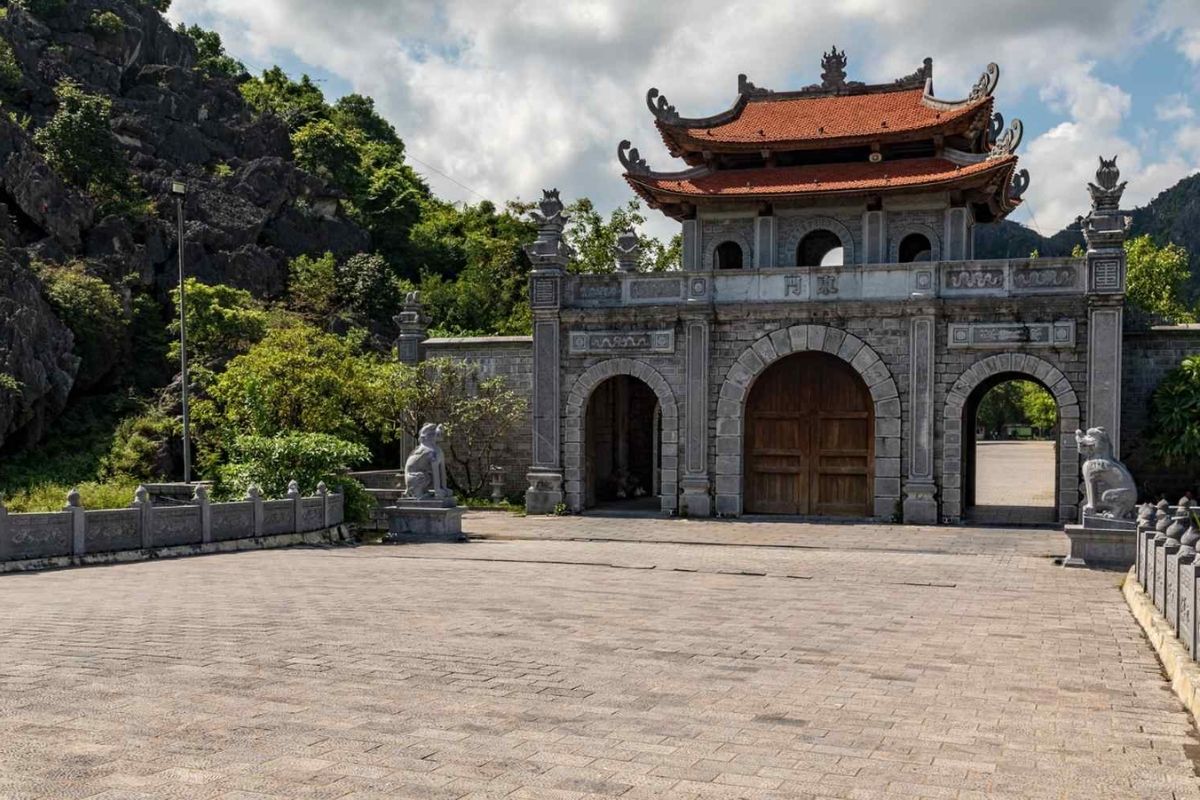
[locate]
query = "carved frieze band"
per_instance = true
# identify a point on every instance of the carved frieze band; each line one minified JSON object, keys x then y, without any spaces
{"x":982,"y":335}
{"x":584,"y":342}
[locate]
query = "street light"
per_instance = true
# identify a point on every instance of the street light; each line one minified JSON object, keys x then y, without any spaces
{"x":179,"y":192}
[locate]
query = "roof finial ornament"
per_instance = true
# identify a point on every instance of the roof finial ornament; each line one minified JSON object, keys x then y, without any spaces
{"x":1108,"y":174}
{"x":629,"y":249}
{"x":833,"y":69}
{"x":995,"y":126}
{"x":660,"y":108}
{"x":633,"y":162}
{"x":1008,"y":141}
{"x":986,"y":83}
{"x":1107,"y":190}
{"x":1020,"y":183}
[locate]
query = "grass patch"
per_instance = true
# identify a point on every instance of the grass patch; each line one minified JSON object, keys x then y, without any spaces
{"x":53,"y":496}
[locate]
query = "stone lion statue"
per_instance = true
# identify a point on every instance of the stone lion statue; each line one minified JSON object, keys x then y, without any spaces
{"x":1109,"y":486}
{"x":425,"y":468}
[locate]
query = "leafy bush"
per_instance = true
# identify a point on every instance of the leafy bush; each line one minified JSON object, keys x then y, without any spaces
{"x":329,"y":153}
{"x":222,"y":322}
{"x":312,"y":284}
{"x":270,"y":462}
{"x":1157,"y":277}
{"x":92,"y":310}
{"x":78,"y":142}
{"x":105,"y":23}
{"x":213,"y":58}
{"x":53,"y":496}
{"x":10,"y":69}
{"x":141,"y":448}
{"x":362,"y":286}
{"x":1175,"y":415}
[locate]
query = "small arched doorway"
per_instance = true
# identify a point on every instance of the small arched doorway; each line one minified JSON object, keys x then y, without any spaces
{"x":915,"y":247}
{"x":820,"y":248}
{"x":622,"y":430}
{"x":1010,"y":451}
{"x":809,"y":439}
{"x":728,"y":255}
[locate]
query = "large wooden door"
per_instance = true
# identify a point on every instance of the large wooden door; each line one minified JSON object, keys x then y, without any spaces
{"x":809,"y":439}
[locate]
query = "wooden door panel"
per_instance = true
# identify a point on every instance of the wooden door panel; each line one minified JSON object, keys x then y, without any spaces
{"x":809,"y":439}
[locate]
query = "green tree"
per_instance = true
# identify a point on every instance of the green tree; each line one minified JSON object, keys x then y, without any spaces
{"x":297,"y":103}
{"x":77,"y":140}
{"x":105,"y":23}
{"x":296,"y":379}
{"x":1038,"y":406}
{"x":1175,"y":415}
{"x":222,"y":322}
{"x":271,"y":462}
{"x":335,"y":155}
{"x":1156,"y":278}
{"x":313,"y":285}
{"x":478,"y":412}
{"x":594,"y":239}
{"x":213,"y":58}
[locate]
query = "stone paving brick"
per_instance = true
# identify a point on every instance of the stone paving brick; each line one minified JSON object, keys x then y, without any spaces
{"x":587,"y":658}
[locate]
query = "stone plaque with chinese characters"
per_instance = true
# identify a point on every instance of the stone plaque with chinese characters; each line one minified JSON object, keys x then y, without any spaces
{"x":583,"y":342}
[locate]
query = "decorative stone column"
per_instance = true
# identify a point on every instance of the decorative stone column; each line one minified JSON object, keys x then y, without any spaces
{"x":697,"y":499}
{"x":692,"y":251}
{"x":629,"y":251}
{"x":549,"y":255}
{"x":920,"y":507}
{"x":956,"y":245}
{"x":874,"y":249}
{"x":1104,"y":230}
{"x":413,"y":329}
{"x":764,"y":241}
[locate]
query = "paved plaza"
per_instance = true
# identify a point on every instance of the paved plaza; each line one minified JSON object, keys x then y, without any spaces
{"x":592,"y":657}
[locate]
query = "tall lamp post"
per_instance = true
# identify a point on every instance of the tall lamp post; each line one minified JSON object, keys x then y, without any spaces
{"x":179,"y":191}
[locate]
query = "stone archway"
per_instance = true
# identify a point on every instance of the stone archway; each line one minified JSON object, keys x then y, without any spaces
{"x":717,"y":238}
{"x":731,"y":409}
{"x":898,"y":233}
{"x":573,"y":433}
{"x":1018,"y":365}
{"x":795,"y":229}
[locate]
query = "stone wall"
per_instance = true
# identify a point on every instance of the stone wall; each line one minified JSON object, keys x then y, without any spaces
{"x":77,"y":535}
{"x":510,"y":358}
{"x":1149,"y":355}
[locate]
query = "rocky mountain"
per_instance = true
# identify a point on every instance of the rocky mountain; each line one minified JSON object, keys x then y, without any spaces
{"x":249,"y":208}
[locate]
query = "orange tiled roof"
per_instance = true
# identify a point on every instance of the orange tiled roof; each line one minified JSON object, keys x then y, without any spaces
{"x":811,"y":179}
{"x":823,"y":119}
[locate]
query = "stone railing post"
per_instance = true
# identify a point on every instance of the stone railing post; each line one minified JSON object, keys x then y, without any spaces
{"x":255,"y":496}
{"x":1179,"y":524}
{"x":5,"y":533}
{"x":1157,"y":566}
{"x":200,"y":498}
{"x":78,"y":523}
{"x":293,"y":494}
{"x":141,"y":501}
{"x":549,"y":255}
{"x":1187,"y":587}
{"x":323,"y":493}
{"x":629,"y":250}
{"x":1104,"y":230}
{"x":1145,"y":536}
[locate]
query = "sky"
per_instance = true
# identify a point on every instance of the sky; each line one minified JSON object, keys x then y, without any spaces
{"x":498,"y":99}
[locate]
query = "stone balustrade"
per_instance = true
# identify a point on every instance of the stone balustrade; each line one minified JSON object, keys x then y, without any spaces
{"x":950,"y":279}
{"x":1167,"y":569}
{"x":76,"y":534}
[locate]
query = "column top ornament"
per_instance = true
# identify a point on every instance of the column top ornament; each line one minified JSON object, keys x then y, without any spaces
{"x":550,"y":251}
{"x":1105,"y":227}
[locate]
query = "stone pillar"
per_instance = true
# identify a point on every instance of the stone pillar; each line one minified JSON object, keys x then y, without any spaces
{"x":692,"y":252}
{"x":1104,"y":230}
{"x":413,"y":329}
{"x":5,"y":533}
{"x":78,"y":523}
{"x":549,"y":255}
{"x":764,"y":241}
{"x":874,"y":250}
{"x":200,"y":498}
{"x":141,"y":501}
{"x":697,"y":499}
{"x":254,"y":495}
{"x":293,"y":494}
{"x":957,"y":231}
{"x":920,"y":507}
{"x":323,"y":493}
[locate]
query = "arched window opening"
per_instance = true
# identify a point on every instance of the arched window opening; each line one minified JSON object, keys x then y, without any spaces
{"x":820,"y":249}
{"x":1011,"y":434}
{"x":915,"y":247}
{"x":728,"y":256}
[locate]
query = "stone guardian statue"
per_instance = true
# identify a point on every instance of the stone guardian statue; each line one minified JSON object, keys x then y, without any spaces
{"x":425,"y":469}
{"x":1111,"y":492}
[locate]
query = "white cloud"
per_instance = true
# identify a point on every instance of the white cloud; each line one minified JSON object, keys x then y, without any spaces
{"x":1173,"y":108}
{"x":509,"y":96}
